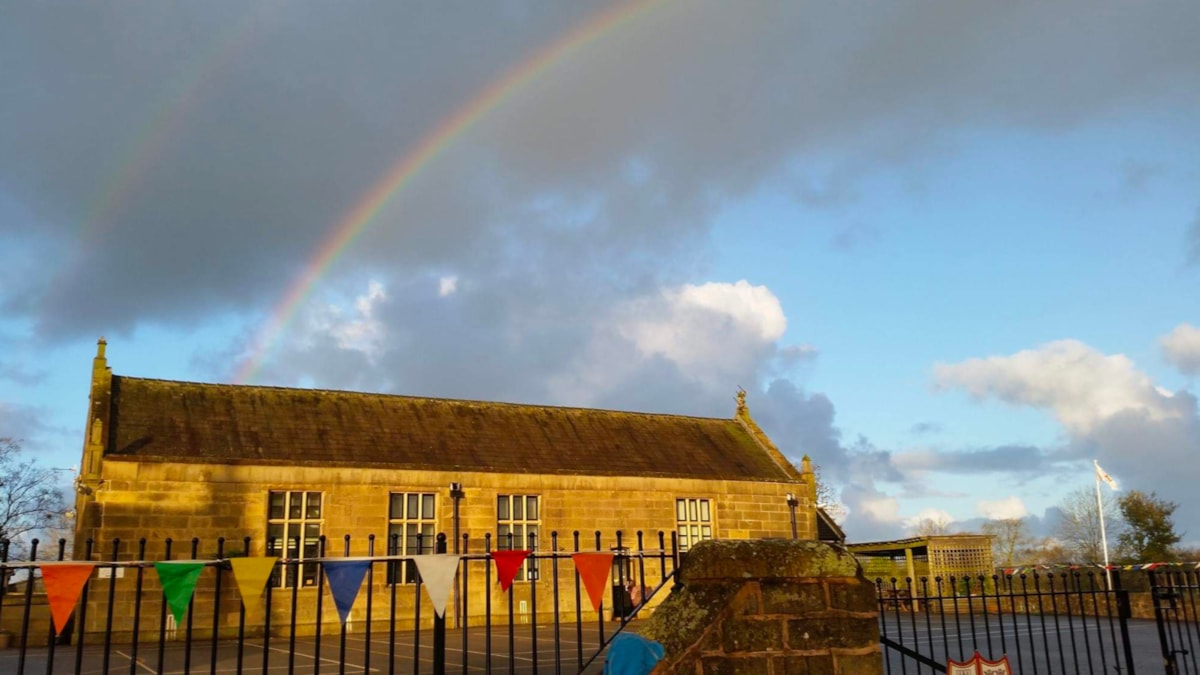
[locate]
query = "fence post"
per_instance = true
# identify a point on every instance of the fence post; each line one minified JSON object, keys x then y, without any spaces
{"x":439,"y":625}
{"x":1124,"y":611}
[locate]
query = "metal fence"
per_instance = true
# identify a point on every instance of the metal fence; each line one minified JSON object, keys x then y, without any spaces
{"x":1073,"y":622}
{"x":542,"y":623}
{"x":1175,"y":592}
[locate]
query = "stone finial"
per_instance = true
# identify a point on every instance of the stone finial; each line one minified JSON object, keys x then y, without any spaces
{"x":100,"y":344}
{"x":741,"y":401}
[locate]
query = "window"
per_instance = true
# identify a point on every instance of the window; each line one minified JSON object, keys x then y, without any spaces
{"x":411,"y":522}
{"x":693,"y":519}
{"x":518,"y":515}
{"x":294,"y":531}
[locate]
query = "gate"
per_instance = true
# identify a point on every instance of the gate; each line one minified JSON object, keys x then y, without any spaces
{"x":1175,"y":616}
{"x":1045,"y":623}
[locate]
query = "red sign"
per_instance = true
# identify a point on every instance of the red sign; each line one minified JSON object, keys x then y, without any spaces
{"x":979,"y":666}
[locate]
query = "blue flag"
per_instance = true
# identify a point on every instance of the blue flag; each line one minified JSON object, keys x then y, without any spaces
{"x":345,"y":578}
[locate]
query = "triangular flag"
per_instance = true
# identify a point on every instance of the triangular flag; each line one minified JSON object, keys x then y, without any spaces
{"x":64,"y":582}
{"x":251,"y":575}
{"x":345,"y":578}
{"x":178,"y":581}
{"x":437,"y":573}
{"x":593,"y":569}
{"x":507,"y":565}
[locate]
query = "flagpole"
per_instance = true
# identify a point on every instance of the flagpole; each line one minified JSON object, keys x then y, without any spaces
{"x":1103,"y":536}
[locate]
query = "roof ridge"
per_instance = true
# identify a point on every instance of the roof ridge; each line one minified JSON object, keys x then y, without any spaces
{"x":544,"y":406}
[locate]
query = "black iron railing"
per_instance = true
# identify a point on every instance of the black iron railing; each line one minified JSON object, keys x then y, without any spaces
{"x":1177,"y":619}
{"x":1071,"y":622}
{"x":544,"y":624}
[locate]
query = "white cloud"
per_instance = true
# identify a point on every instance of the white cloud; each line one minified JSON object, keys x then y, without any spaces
{"x":697,"y":325}
{"x":354,"y":329}
{"x":1181,"y":348}
{"x":880,"y":509}
{"x":999,"y":509}
{"x":931,"y":514}
{"x":447,"y":285}
{"x":717,"y":335}
{"x":1083,"y":386}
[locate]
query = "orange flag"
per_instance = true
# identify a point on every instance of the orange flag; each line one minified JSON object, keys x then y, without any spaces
{"x":593,"y":569}
{"x":64,"y":582}
{"x":507,"y":564}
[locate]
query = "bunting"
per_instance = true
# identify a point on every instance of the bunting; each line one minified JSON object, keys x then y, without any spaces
{"x":64,"y":582}
{"x":593,"y":569}
{"x":437,"y":574}
{"x":507,"y":565}
{"x":251,"y":575}
{"x":345,"y":578}
{"x":178,"y":579}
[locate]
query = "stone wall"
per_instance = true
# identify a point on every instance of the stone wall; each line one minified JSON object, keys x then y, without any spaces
{"x":770,"y":607}
{"x":156,"y":500}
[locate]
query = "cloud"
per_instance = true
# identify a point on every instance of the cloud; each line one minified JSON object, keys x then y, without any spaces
{"x":1083,"y":386}
{"x":1142,"y":434}
{"x":922,"y":428}
{"x":1023,"y":459}
{"x":447,"y":285}
{"x":1181,"y":348}
{"x":714,"y":328}
{"x":241,"y":135}
{"x":1001,"y":509}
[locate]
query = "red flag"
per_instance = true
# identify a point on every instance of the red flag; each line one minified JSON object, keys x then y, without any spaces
{"x":64,"y":582}
{"x":507,"y":565}
{"x":593,"y":570}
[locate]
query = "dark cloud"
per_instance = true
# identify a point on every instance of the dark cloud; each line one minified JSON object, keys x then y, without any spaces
{"x":1027,"y":460}
{"x":922,"y":428}
{"x":21,"y":375}
{"x":188,"y":160}
{"x":29,"y":426}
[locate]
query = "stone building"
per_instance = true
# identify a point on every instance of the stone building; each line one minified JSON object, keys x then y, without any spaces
{"x":182,"y":460}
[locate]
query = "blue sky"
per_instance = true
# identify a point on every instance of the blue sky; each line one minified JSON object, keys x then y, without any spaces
{"x":952,"y":250}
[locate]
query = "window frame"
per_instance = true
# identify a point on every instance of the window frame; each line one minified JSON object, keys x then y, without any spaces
{"x":299,"y":517}
{"x":427,"y":516}
{"x":507,"y":518}
{"x":693,"y":521}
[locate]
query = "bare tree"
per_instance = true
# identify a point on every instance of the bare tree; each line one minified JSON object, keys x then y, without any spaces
{"x":827,"y":498}
{"x":1043,"y":552}
{"x":1079,"y":525}
{"x":1008,"y":536}
{"x":928,"y":527}
{"x":29,"y":497}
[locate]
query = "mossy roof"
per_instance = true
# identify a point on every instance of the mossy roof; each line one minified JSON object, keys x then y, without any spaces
{"x":160,"y":420}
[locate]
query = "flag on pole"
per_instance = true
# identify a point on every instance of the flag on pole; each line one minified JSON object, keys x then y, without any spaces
{"x":1103,"y":475}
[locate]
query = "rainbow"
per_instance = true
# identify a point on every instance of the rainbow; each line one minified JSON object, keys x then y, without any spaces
{"x":400,"y":174}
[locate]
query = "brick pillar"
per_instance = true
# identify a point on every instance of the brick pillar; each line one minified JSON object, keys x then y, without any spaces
{"x":768,"y":607}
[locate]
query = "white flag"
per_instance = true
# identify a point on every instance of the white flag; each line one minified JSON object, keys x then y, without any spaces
{"x":437,"y":573}
{"x":1103,"y":475}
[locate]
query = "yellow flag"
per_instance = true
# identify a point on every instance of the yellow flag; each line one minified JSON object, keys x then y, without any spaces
{"x":251,"y":575}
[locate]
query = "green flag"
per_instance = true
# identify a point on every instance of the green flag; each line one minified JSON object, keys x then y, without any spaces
{"x":178,"y":580}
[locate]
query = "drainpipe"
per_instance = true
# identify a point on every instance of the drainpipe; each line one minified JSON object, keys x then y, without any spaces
{"x":456,"y":496}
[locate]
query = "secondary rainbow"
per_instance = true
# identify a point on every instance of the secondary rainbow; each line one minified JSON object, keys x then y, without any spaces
{"x":402,"y":172}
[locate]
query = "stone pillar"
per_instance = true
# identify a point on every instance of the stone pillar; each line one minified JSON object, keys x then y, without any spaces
{"x":768,"y":607}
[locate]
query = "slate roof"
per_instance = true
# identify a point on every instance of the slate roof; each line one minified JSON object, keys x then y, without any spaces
{"x":160,"y":420}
